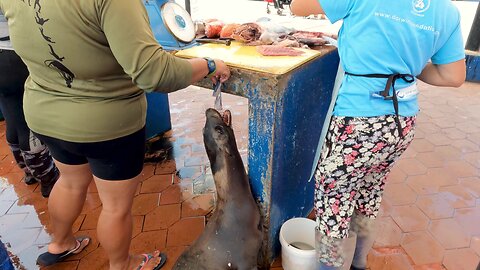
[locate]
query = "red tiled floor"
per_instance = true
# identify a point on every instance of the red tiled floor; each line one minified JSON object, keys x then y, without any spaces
{"x":422,"y":248}
{"x":429,"y":217}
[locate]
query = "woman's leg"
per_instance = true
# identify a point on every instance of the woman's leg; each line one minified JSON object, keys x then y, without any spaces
{"x":65,"y":204}
{"x":114,"y":227}
{"x":370,"y":194}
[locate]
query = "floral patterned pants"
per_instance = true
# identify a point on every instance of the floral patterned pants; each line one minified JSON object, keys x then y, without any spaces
{"x":357,"y":156}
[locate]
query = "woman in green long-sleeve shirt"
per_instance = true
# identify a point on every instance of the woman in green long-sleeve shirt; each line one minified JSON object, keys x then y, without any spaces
{"x":90,"y":63}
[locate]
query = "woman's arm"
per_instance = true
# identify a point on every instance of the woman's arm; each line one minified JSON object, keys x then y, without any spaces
{"x":452,"y":74}
{"x":306,"y":7}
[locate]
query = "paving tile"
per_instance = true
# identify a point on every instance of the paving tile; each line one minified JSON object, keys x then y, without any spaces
{"x":439,"y":139}
{"x":449,"y":233}
{"x":137,"y":225}
{"x":448,"y":152}
{"x":199,"y":205}
{"x":421,"y":184}
{"x":473,"y":159}
{"x":145,"y":203}
{"x":388,"y":261}
{"x":409,"y":153}
{"x":157,"y":183}
{"x":94,"y":260}
{"x":172,"y":254}
{"x":147,"y":242}
{"x":431,"y":266}
{"x":92,"y":202}
{"x":148,"y":171}
{"x":78,"y":223}
{"x":458,"y":196}
{"x":385,"y":209}
{"x":475,"y":244}
{"x":461,"y":169}
{"x":10,"y":222}
{"x":166,"y":167}
{"x":20,"y":239}
{"x":409,"y":218}
{"x":469,"y":218}
{"x":435,"y":206}
{"x":422,"y":145}
{"x":171,"y":195}
{"x":196,"y":161}
{"x":465,"y":146}
{"x":43,"y":238}
{"x":444,"y":122}
{"x":461,"y":259}
{"x":185,"y":231}
{"x":91,"y":219}
{"x":472,"y":185}
{"x":454,"y":133}
{"x":9,"y":193}
{"x":21,"y":189}
{"x":422,"y":248}
{"x":31,"y":221}
{"x":28,"y":257}
{"x":430,"y":159}
{"x":467,"y":127}
{"x":474,"y":137}
{"x":411,"y":166}
{"x":162,"y":217}
{"x":396,"y":175}
{"x":14,"y":177}
{"x":5,"y":206}
{"x":400,"y":194}
{"x":70,"y":265}
{"x":388,"y":233}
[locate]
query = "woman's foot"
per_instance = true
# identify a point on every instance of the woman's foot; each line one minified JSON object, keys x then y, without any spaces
{"x":56,"y":254}
{"x":152,"y":261}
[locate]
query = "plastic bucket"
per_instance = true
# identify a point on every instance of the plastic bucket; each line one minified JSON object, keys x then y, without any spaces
{"x":297,"y":237}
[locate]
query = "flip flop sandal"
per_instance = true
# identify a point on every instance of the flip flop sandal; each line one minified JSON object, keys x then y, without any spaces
{"x":147,"y":257}
{"x":47,"y":258}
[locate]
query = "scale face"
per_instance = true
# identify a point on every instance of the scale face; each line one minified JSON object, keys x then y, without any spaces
{"x":171,"y":24}
{"x":178,"y":22}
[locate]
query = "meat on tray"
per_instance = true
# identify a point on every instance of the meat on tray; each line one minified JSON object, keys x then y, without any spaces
{"x":247,"y":32}
{"x":227,"y":30}
{"x":273,"y":50}
{"x":213,"y":28}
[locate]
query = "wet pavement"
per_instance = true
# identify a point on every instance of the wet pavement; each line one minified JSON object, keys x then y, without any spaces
{"x":429,"y":220}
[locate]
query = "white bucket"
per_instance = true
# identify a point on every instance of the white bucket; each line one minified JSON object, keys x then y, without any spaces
{"x":301,"y":233}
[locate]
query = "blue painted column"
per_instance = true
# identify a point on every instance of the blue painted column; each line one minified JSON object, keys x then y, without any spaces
{"x":286,"y":116}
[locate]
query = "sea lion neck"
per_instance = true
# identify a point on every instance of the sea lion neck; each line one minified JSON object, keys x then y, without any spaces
{"x":229,"y":175}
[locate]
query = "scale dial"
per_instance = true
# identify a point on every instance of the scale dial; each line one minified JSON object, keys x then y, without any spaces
{"x":178,"y":22}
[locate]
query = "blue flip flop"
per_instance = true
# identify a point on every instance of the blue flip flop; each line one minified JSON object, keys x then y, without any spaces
{"x":148,"y":257}
{"x":47,"y":258}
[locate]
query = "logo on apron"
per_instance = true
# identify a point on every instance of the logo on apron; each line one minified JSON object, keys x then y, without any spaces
{"x":420,"y":6}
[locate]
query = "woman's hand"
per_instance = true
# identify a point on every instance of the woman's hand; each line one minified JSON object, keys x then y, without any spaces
{"x":222,"y":73}
{"x":200,"y":70}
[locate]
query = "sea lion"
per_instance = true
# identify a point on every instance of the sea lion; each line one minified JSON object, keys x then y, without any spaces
{"x":233,"y":235}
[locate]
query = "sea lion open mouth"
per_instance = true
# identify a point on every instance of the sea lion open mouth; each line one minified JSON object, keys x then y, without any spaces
{"x":227,"y":118}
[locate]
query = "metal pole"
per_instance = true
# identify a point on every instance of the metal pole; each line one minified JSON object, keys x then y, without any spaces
{"x":187,"y":6}
{"x":473,"y":41}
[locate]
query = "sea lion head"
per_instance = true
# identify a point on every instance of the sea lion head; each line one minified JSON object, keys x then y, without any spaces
{"x":218,"y":135}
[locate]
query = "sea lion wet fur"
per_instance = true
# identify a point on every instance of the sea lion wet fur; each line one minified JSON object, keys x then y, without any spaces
{"x":233,"y":236}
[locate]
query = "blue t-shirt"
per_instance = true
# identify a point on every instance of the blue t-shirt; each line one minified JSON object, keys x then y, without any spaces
{"x":386,"y":37}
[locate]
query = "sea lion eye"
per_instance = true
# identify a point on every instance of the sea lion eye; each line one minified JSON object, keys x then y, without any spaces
{"x":219,"y":129}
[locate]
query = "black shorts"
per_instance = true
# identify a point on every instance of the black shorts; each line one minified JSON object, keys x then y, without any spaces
{"x":117,"y":159}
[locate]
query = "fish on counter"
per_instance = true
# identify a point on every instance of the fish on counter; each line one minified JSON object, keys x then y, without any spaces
{"x":275,"y":50}
{"x":263,"y":32}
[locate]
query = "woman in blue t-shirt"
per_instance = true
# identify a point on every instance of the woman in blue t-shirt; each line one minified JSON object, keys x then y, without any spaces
{"x":384,"y":47}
